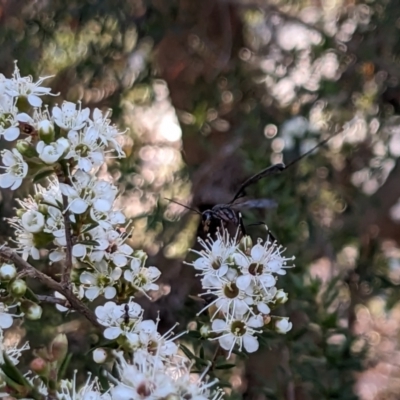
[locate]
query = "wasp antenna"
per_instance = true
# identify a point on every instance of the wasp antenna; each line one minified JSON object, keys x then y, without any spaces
{"x":312,"y":150}
{"x":183,"y":205}
{"x":273,"y":169}
{"x":276,"y":168}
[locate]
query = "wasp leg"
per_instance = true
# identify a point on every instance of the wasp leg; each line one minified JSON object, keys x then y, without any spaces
{"x":241,"y":225}
{"x":266,"y":227}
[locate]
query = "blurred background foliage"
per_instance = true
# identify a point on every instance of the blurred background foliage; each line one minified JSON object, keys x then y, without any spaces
{"x":211,"y":92}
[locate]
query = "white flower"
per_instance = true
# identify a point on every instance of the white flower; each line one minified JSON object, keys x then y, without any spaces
{"x":107,"y":219}
{"x":89,"y":391}
{"x":55,"y":223}
{"x":8,"y":272}
{"x":107,"y":133}
{"x":283,"y":325}
{"x":215,"y":257}
{"x":155,"y":344}
{"x":10,"y":119}
{"x":85,"y":191}
{"x":16,"y":169}
{"x":142,"y":278}
{"x":6,"y":319}
{"x":24,"y":240}
{"x":51,"y":153}
{"x":32,"y":221}
{"x":84,"y":149}
{"x":37,"y":383}
{"x":253,"y":271}
{"x":238,"y":331}
{"x":142,"y":380}
{"x":45,"y":128}
{"x":265,"y":259}
{"x":51,"y":194}
{"x":262,"y":297}
{"x":99,"y":355}
{"x":69,"y":118}
{"x":281,"y":297}
{"x":25,"y":87}
{"x":197,"y":389}
{"x":119,"y":319}
{"x":230,"y":299}
{"x":100,"y":281}
{"x":12,"y":351}
{"x":111,"y":247}
{"x":59,"y":307}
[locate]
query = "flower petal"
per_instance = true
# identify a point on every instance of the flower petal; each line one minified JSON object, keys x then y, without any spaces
{"x":250,"y":343}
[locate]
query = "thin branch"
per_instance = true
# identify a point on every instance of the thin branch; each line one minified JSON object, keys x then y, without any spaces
{"x":65,"y":279}
{"x":53,"y":300}
{"x":75,"y":303}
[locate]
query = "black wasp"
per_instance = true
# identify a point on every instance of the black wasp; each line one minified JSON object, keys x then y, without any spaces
{"x":228,"y":215}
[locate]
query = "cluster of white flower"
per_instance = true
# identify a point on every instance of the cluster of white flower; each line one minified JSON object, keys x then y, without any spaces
{"x":157,"y":370}
{"x":242,"y":279}
{"x":99,"y":247}
{"x":146,"y":378}
{"x":68,"y":144}
{"x":142,"y":336}
{"x":89,"y":391}
{"x":72,"y":219}
{"x":66,"y":135}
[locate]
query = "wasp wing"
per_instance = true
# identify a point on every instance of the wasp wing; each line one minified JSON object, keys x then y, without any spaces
{"x":254,"y":203}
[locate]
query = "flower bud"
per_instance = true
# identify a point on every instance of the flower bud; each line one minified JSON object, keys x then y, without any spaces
{"x":26,"y":149}
{"x":40,"y":366}
{"x":17,"y":288}
{"x":59,"y":347}
{"x":23,"y":104}
{"x":99,"y":355}
{"x":283,"y":325}
{"x":20,"y":212}
{"x":141,"y":255}
{"x":32,"y":221}
{"x":281,"y":297}
{"x":205,"y":331}
{"x":33,"y":311}
{"x":245,"y":244}
{"x":43,"y":209}
{"x":7,"y":272}
{"x":46,"y":131}
{"x":173,"y":397}
{"x":38,"y":197}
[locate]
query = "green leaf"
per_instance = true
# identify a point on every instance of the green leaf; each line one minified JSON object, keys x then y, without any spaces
{"x":89,"y":227}
{"x":29,"y":295}
{"x":187,"y":352}
{"x":89,"y":242}
{"x":11,"y":371}
{"x":225,"y":366}
{"x":42,"y":174}
{"x":64,"y":366}
{"x":194,"y":334}
{"x":201,"y":353}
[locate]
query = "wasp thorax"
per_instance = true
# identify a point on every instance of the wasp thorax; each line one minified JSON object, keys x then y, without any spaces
{"x":256,"y":269}
{"x":238,"y":328}
{"x":231,"y":290}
